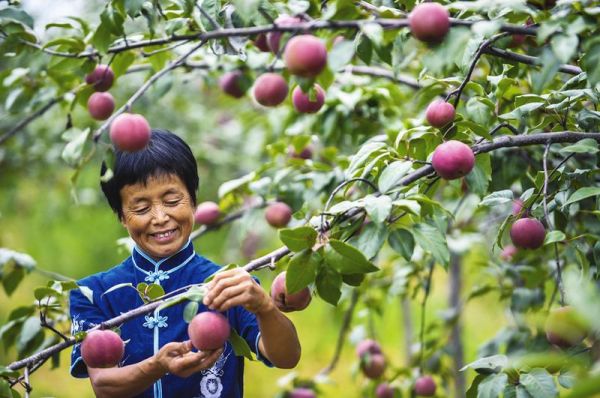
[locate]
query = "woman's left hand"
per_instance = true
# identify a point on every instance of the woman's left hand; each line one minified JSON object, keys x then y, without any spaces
{"x":236,"y":287}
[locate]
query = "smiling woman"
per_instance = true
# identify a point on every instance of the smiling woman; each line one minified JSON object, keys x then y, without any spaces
{"x":153,"y":193}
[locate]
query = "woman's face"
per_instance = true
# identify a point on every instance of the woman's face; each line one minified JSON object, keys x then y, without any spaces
{"x":158,"y":215}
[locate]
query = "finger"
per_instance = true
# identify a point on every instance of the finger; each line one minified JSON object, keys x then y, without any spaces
{"x":227,"y":294}
{"x":222,"y":284}
{"x":243,"y":300}
{"x":198,"y":361}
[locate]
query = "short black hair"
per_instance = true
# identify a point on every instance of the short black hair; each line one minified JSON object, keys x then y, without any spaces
{"x":165,"y":153}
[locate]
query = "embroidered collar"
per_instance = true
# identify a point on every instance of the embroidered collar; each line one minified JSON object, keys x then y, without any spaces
{"x":160,"y":270}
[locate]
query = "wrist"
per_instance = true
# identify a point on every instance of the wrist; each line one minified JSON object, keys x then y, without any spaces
{"x":152,"y":368}
{"x":267,"y":306}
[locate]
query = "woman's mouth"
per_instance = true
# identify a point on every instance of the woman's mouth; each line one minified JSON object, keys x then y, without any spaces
{"x":164,"y":235}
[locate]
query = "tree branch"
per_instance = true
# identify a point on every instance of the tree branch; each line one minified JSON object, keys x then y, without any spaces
{"x":31,"y":118}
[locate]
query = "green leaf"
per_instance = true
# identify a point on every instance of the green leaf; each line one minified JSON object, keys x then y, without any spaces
{"x":487,"y":365}
{"x":73,"y":151}
{"x":41,"y":292}
{"x":340,"y":55}
{"x":478,"y":111}
{"x":587,"y":145}
{"x":302,"y":270}
{"x":232,"y":185}
{"x":479,"y":178}
{"x":362,"y":155}
{"x":347,"y":259}
{"x":564,"y":46}
{"x":554,"y":236}
{"x":150,"y":291}
{"x":378,"y":207}
{"x":212,"y":8}
{"x":472,"y":391}
{"x":374,"y":32}
{"x":133,"y":7}
{"x":329,"y":283}
{"x":18,"y":15}
{"x":403,"y":242}
{"x":392,"y":174}
{"x":582,"y":193}
{"x":590,"y":61}
{"x":539,"y":383}
{"x":567,"y":379}
{"x":492,"y":386}
{"x":122,"y":62}
{"x":497,"y":198}
{"x":5,"y":389}
{"x":31,"y":327}
{"x":190,"y":310}
{"x":433,"y":241}
{"x":240,"y":346}
{"x":298,"y":239}
{"x":364,"y":48}
{"x":11,"y":277}
{"x":550,"y":65}
{"x":371,"y":239}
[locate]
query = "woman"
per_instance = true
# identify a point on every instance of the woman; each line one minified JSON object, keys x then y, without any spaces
{"x":153,"y":192}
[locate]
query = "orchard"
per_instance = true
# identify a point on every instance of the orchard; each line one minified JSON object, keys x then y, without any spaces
{"x":415,"y":184}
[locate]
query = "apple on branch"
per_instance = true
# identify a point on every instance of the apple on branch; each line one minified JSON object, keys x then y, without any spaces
{"x":209,"y":330}
{"x":101,"y":78}
{"x":102,"y":349}
{"x":130,"y":132}
{"x":278,"y":214}
{"x":207,"y":213}
{"x":288,"y":302}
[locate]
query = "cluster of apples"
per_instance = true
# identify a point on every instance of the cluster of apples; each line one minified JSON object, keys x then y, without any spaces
{"x":128,"y":132}
{"x":305,"y":56}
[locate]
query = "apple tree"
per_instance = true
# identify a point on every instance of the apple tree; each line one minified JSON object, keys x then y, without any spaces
{"x":396,"y":140}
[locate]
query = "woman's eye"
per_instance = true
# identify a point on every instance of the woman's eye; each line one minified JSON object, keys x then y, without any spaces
{"x":172,"y":202}
{"x":141,"y":210}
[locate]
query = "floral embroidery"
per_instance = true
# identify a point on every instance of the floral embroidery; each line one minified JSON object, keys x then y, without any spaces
{"x":159,"y":275}
{"x":159,"y":321}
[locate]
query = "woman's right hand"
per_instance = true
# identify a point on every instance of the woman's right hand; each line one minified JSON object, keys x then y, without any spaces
{"x":179,"y":359}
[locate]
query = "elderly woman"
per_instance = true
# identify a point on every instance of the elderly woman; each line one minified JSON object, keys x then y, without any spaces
{"x":153,"y":192}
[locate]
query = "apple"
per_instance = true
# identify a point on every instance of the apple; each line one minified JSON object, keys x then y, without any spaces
{"x":305,"y":154}
{"x":373,"y":365}
{"x":261,"y":43}
{"x":439,"y":113}
{"x":231,"y":83}
{"x":367,"y":346}
{"x":429,"y":22}
{"x":274,"y":38}
{"x":425,"y":386}
{"x":209,"y":330}
{"x":130,"y":132}
{"x":270,"y":89}
{"x":278,"y":214}
{"x":305,"y":56}
{"x":384,"y":390}
{"x":508,"y":252}
{"x":207,"y":213}
{"x":528,"y":233}
{"x":288,"y":302}
{"x":101,"y":78}
{"x":564,"y":327}
{"x":453,"y":159}
{"x":302,"y":101}
{"x":302,"y":392}
{"x":101,"y":105}
{"x":102,"y":349}
{"x":517,"y":208}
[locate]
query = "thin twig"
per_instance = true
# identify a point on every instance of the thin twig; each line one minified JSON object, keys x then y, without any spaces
{"x":30,"y":118}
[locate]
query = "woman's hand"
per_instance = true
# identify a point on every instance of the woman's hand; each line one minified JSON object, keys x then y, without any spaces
{"x":236,"y":287}
{"x":179,"y":359}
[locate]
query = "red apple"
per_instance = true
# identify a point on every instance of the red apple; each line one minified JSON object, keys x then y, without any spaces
{"x":517,"y":208}
{"x":528,"y":233}
{"x":231,"y":84}
{"x":302,"y":392}
{"x":302,"y":101}
{"x":384,"y":390}
{"x":367,"y":346}
{"x":207,"y":213}
{"x":130,"y":132}
{"x":564,"y":327}
{"x":439,"y":113}
{"x":209,"y":330}
{"x":453,"y":159}
{"x":270,"y":89}
{"x":429,"y":22}
{"x":261,"y":42}
{"x":101,"y":78}
{"x":278,"y":214}
{"x":274,"y":38}
{"x":102,"y":349}
{"x":425,"y":386}
{"x":305,"y":56}
{"x":288,"y":302}
{"x":508,"y":253}
{"x":373,"y":365}
{"x":101,"y":105}
{"x":305,"y":154}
